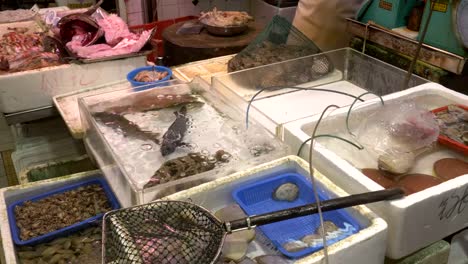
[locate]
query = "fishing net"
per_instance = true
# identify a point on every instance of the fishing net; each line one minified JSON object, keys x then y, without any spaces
{"x":279,"y":41}
{"x":164,"y":232}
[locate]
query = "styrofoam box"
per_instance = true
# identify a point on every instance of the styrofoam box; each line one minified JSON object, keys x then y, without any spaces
{"x":367,"y":246}
{"x":43,"y":151}
{"x":11,"y":194}
{"x":415,"y":221}
{"x":35,"y":88}
{"x":264,"y":12}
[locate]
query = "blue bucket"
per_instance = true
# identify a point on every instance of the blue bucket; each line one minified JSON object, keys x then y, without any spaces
{"x":140,"y":86}
{"x":256,"y":198}
{"x":15,"y":232}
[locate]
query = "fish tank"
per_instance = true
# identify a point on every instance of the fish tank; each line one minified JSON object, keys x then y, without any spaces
{"x":345,"y":73}
{"x":155,"y":142}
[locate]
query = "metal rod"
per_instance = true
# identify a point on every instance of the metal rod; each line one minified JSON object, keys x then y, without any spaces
{"x":328,"y":205}
{"x":418,"y":49}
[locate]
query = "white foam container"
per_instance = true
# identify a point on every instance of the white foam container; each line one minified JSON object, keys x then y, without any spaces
{"x":366,"y":246}
{"x":35,"y":88}
{"x":414,"y":221}
{"x":11,"y":194}
{"x":40,"y":151}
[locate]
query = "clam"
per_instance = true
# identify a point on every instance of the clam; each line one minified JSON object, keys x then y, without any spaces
{"x":286,"y":192}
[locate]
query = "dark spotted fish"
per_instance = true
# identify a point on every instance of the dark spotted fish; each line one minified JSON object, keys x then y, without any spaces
{"x":151,"y":102}
{"x":176,"y":132}
{"x":127,"y":128}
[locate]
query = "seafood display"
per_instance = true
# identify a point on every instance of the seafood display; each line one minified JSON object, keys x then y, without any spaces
{"x":286,"y":192}
{"x":165,"y":137}
{"x":20,"y":51}
{"x":225,"y":18}
{"x":82,"y":247}
{"x":453,"y":123}
{"x":36,"y":218}
{"x":150,"y":76}
{"x":186,"y":166}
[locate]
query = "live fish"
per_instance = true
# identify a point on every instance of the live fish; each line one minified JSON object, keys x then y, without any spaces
{"x":151,"y":102}
{"x":127,"y":128}
{"x":176,"y":132}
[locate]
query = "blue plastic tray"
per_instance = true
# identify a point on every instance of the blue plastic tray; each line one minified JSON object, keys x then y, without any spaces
{"x":257,"y":198}
{"x":64,"y":231}
{"x":140,"y":86}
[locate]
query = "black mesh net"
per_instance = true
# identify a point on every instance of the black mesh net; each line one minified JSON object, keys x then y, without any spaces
{"x":165,"y":232}
{"x":279,"y":41}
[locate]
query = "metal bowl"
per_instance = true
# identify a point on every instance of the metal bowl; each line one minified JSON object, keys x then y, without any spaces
{"x":225,"y":31}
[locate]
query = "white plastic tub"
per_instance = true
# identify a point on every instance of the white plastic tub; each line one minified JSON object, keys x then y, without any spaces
{"x":367,"y":246}
{"x":415,"y":221}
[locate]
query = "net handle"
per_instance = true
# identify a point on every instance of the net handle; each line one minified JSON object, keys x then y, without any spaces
{"x":328,"y":205}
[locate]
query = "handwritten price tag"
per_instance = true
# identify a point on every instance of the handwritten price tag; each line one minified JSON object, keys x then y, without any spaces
{"x":454,"y":204}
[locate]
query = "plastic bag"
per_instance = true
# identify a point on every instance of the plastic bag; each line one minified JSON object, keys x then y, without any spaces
{"x":398,"y":128}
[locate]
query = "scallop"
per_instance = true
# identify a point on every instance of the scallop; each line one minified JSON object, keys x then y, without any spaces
{"x":286,"y":192}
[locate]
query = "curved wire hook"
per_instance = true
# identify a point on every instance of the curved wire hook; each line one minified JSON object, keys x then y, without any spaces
{"x":292,"y":87}
{"x":354,"y":102}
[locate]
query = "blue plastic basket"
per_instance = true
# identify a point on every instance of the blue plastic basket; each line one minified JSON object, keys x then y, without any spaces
{"x":140,"y":86}
{"x":257,"y":198}
{"x":64,"y":231}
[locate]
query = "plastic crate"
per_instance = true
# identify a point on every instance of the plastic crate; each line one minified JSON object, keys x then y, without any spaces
{"x":448,"y":141}
{"x":257,"y":198}
{"x":66,"y":230}
{"x":156,"y":41}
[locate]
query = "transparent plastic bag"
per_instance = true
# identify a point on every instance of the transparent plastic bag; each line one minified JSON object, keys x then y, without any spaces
{"x":398,"y":128}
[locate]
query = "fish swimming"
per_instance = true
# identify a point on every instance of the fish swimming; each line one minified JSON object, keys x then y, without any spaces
{"x":175,"y":133}
{"x":128,"y":128}
{"x":151,"y":102}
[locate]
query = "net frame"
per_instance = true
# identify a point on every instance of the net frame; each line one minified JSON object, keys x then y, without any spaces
{"x":184,"y":233}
